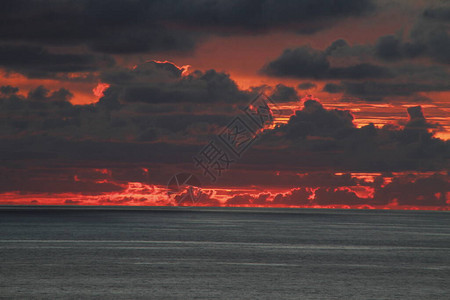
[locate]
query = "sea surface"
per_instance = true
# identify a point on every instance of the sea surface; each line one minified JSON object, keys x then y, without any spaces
{"x":191,"y":253}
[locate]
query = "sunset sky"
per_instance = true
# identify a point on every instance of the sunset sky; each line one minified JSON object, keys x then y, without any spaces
{"x":103,"y":102}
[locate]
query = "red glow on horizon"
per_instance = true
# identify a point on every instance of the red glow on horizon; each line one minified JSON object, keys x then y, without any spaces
{"x":140,"y":194}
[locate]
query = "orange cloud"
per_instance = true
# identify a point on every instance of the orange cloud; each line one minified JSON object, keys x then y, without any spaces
{"x":99,"y":89}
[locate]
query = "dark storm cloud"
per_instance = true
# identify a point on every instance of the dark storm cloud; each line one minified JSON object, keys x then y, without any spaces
{"x":332,"y":88}
{"x":11,"y":101}
{"x":107,"y":26}
{"x":284,"y":93}
{"x":377,"y":91}
{"x":263,"y":175}
{"x":73,"y":152}
{"x":330,"y":196}
{"x":336,"y":45}
{"x":144,"y":105}
{"x":143,"y":73}
{"x":209,"y":86}
{"x":200,"y":199}
{"x":437,"y":13}
{"x":399,"y":62}
{"x":43,"y":94}
{"x":300,"y":62}
{"x":260,"y":15}
{"x":22,"y":156}
{"x":429,"y":37}
{"x":306,"y":62}
{"x":417,"y":119}
{"x":8,"y":90}
{"x":391,"y":48}
{"x":360,"y":71}
{"x":413,"y":191}
{"x":318,"y":138}
{"x":314,"y":120}
{"x":41,"y":109}
{"x":154,"y":82}
{"x":295,"y":197}
{"x":50,"y":113}
{"x":58,"y":180}
{"x":35,"y":62}
{"x":306,"y":86}
{"x":128,"y":174}
{"x":391,"y":82}
{"x":140,"y":26}
{"x":427,"y":40}
{"x":435,"y":39}
{"x":315,"y":138}
{"x":246,"y":199}
{"x":45,"y":125}
{"x":409,"y":82}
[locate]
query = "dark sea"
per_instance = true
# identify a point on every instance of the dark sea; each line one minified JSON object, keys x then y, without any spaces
{"x":192,"y":253}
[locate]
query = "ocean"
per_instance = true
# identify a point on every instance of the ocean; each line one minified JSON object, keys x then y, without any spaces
{"x":223,"y":253}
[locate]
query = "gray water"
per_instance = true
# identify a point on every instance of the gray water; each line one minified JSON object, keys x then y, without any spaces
{"x":224,"y":254}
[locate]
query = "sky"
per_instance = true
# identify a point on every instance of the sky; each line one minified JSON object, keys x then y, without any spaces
{"x":121,"y":102}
